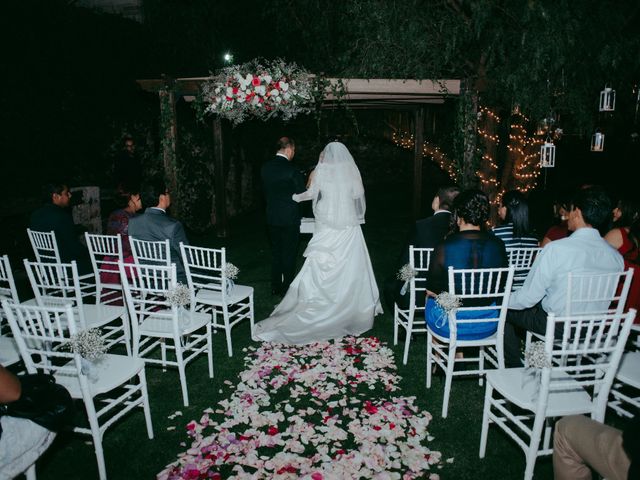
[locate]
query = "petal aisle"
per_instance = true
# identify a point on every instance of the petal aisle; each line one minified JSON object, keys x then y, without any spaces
{"x":320,"y":411}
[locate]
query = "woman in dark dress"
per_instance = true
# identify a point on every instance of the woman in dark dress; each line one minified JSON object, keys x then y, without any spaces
{"x":471,"y":247}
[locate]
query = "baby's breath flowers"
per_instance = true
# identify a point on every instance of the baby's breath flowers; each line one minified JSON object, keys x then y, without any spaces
{"x":230,"y":271}
{"x":406,"y":274}
{"x":179,"y":296}
{"x":448,"y":301}
{"x":88,"y":344}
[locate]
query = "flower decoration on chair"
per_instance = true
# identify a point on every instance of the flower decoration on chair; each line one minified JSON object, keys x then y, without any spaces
{"x":260,"y":89}
{"x":89,"y":344}
{"x":406,"y":274}
{"x":230,"y":272}
{"x":535,"y":358}
{"x":448,"y":301}
{"x":179,"y":296}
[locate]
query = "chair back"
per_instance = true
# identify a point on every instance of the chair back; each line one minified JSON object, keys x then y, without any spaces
{"x":522,"y":259}
{"x":45,"y":246}
{"x":42,"y":335}
{"x":205,"y":269}
{"x":569,"y":340}
{"x":480,"y":291}
{"x":589,"y":293}
{"x":105,"y":252}
{"x":148,"y":290}
{"x":151,"y":253}
{"x":56,"y":284}
{"x":7,"y":283}
{"x":419,"y":260}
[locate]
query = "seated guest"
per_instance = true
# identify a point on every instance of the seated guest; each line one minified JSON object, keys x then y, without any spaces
{"x":427,"y":233}
{"x":560,"y":230}
{"x":21,"y":440}
{"x":155,"y":225}
{"x":55,"y":215}
{"x":545,"y":288}
{"x":625,"y":237}
{"x":118,"y":223}
{"x":514,"y":213}
{"x":471,"y":247}
{"x":581,"y":444}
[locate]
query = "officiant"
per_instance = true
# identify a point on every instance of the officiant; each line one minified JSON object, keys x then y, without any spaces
{"x":281,"y":179}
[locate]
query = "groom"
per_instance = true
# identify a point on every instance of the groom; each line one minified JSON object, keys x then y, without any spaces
{"x":281,"y":180}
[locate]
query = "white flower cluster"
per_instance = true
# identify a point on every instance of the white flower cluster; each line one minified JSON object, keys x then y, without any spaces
{"x":406,"y":273}
{"x":230,"y":271}
{"x":448,"y":301}
{"x":88,"y":344}
{"x":536,"y":357}
{"x":179,"y":296}
{"x":259,"y":89}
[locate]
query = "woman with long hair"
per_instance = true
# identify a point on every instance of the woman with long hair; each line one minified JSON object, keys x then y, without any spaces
{"x":515,"y":230}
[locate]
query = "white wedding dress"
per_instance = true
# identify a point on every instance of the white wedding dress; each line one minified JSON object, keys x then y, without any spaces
{"x":335,"y":293}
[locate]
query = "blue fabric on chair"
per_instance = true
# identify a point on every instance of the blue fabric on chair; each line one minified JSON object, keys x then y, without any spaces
{"x":438,"y":321}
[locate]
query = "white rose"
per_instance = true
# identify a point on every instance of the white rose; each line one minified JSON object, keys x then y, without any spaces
{"x":274,"y":92}
{"x":267,"y":78}
{"x":261,"y":90}
{"x":284,"y":86}
{"x":248,"y":78}
{"x":240,"y":98}
{"x":229,"y":92}
{"x":238,"y":77}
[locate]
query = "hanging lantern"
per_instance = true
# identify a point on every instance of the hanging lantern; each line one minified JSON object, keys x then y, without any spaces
{"x":548,"y":154}
{"x":597,"y":142}
{"x":607,"y":99}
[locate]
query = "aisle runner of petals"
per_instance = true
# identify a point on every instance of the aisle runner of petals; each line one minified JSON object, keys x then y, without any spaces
{"x":318,"y":412}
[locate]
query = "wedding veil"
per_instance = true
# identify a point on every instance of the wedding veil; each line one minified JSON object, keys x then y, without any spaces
{"x":338,"y":194}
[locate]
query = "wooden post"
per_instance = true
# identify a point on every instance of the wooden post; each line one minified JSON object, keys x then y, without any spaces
{"x":220,"y":198}
{"x":417,"y":162}
{"x":169,"y":129}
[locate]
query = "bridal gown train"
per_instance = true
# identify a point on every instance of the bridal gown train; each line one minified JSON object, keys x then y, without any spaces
{"x":334,"y":294}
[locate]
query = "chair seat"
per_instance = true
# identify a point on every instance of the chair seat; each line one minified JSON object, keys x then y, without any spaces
{"x":111,"y":372}
{"x":98,"y":315}
{"x":520,"y":387}
{"x":8,"y":351}
{"x":629,"y":371}
{"x":213,"y":297}
{"x":162,"y":326}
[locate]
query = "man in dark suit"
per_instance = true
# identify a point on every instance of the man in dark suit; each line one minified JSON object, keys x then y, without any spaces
{"x":155,"y":225}
{"x":427,"y":233}
{"x":281,"y":180}
{"x":55,"y":215}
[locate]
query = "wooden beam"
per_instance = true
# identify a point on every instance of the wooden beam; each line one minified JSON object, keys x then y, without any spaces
{"x":219,"y":180}
{"x":418,"y":136}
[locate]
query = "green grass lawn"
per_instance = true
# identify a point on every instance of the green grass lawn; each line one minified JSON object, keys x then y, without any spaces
{"x":130,"y":454}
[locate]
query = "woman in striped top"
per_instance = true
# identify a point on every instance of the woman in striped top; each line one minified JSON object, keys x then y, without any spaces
{"x":514,"y":213}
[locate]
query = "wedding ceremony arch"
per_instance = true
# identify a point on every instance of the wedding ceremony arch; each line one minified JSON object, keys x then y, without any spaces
{"x":355,"y":93}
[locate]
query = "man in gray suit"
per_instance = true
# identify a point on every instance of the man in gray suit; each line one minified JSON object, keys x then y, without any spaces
{"x":155,"y":225}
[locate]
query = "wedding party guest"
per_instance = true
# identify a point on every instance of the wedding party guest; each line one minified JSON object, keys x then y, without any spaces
{"x":581,"y":444}
{"x":471,"y":247}
{"x":427,"y":233}
{"x":335,"y":293}
{"x":118,"y":223}
{"x":127,"y":168}
{"x":560,"y":229}
{"x":545,"y":289}
{"x":21,"y":440}
{"x":515,"y":229}
{"x":55,"y":215}
{"x":280,"y":180}
{"x":155,"y":225}
{"x":625,"y":237}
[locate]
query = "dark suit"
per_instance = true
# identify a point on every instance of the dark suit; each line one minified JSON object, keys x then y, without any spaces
{"x":51,"y":217}
{"x":155,"y":225}
{"x":281,"y":180}
{"x":427,"y":233}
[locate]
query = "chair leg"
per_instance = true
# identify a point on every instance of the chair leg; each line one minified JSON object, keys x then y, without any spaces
{"x":30,"y":474}
{"x":251,"y":316}
{"x":395,"y":324}
{"x":534,"y":443}
{"x":163,"y":354}
{"x":227,"y":330}
{"x":127,"y":332}
{"x":407,"y":340}
{"x":181,"y":372}
{"x":97,"y":438}
{"x":485,"y":420}
{"x":481,"y":355}
{"x":429,"y":358}
{"x":210,"y":350}
{"x":451,"y":361}
{"x":142,"y":378}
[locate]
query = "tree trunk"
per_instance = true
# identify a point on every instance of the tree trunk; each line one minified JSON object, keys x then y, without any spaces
{"x":469,"y":105}
{"x":168,"y":134}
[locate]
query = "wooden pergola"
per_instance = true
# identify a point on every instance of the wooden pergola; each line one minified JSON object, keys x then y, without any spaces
{"x":391,"y":94}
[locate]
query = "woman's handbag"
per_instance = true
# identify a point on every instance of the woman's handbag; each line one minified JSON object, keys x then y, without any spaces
{"x":43,"y":401}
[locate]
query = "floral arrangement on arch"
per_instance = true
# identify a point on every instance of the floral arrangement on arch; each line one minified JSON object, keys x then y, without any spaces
{"x":260,"y":89}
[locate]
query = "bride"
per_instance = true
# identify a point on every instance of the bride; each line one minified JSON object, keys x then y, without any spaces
{"x":335,"y":293}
